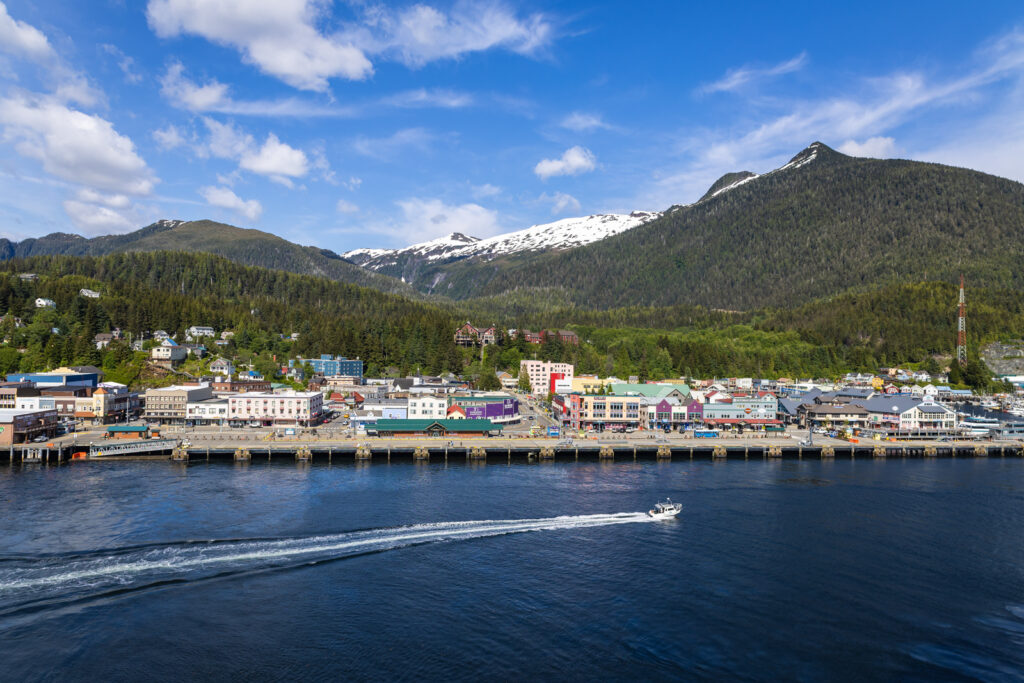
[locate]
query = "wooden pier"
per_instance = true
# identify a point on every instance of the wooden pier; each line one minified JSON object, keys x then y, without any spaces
{"x":386,"y":451}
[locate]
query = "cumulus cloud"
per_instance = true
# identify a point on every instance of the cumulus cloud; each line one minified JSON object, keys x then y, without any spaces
{"x":344,"y":206}
{"x":23,"y":40}
{"x":425,"y":219}
{"x":276,"y":160}
{"x":92,"y":219}
{"x":560,"y":202}
{"x":113,"y":201}
{"x":169,"y":137}
{"x":581,"y":122}
{"x":74,"y":146}
{"x":420,"y":34}
{"x":877,"y":147}
{"x":279,"y":37}
{"x":227,"y":199}
{"x":189,"y":95}
{"x":735,"y":79}
{"x":574,"y":161}
{"x":225,"y":140}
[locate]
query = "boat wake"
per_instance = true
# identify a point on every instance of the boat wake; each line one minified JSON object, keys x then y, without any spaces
{"x":29,"y":581}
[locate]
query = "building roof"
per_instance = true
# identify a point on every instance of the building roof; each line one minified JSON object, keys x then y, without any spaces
{"x":649,"y":390}
{"x":453,"y":426}
{"x":129,"y":429}
{"x":8,"y":415}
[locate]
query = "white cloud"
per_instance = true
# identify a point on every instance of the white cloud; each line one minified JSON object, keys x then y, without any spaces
{"x":277,"y":160}
{"x":877,"y":147}
{"x":124,"y":62}
{"x":77,"y":147}
{"x":92,"y":219}
{"x":169,"y":137}
{"x":425,"y":219}
{"x":581,"y":122}
{"x":225,"y":198}
{"x":344,"y":206}
{"x":226,"y":141}
{"x":560,"y":202}
{"x":420,"y":34}
{"x":189,"y":95}
{"x":113,"y":201}
{"x":277,"y":36}
{"x":574,"y":161}
{"x":352,"y":183}
{"x":429,"y":97}
{"x":734,"y":79}
{"x":385,"y":148}
{"x":23,"y":40}
{"x":485,"y":190}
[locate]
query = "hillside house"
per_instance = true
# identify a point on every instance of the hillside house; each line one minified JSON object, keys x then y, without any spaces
{"x":45,"y":303}
{"x":89,"y":293}
{"x":469,"y":335}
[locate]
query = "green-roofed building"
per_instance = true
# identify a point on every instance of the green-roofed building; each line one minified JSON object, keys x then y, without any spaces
{"x":463,"y":428}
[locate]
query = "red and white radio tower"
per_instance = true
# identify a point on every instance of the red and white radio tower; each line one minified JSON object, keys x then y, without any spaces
{"x":961,"y":329}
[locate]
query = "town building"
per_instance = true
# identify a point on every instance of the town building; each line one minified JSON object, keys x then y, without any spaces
{"x":599,"y":412}
{"x":22,"y":426}
{"x":197,"y":331}
{"x":169,"y":405}
{"x":45,"y":303}
{"x":168,"y":353}
{"x":903,"y":414}
{"x":542,"y":373}
{"x":239,"y":386}
{"x":303,"y":408}
{"x":459,"y":428}
{"x":468,"y":335}
{"x":89,"y":293}
{"x":61,"y":377}
{"x":222,"y":367}
{"x":329,"y":365}
{"x":207,"y":411}
{"x":498,"y":408}
{"x":427,"y":407}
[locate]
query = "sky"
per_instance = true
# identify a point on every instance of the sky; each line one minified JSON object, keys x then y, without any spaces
{"x":353,"y":124}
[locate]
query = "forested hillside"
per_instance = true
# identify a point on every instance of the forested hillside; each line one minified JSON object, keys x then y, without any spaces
{"x":241,"y":245}
{"x":824,"y":224}
{"x":173,"y":290}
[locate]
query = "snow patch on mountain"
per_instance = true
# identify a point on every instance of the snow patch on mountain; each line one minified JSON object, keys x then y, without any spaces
{"x":563,"y":234}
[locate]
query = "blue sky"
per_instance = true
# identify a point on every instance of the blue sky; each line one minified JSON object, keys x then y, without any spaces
{"x":358,"y":124}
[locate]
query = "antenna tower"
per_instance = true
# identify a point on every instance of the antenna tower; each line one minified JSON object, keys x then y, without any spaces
{"x":961,"y":329}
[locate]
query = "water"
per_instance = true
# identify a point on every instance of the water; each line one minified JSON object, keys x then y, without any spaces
{"x":845,"y":570}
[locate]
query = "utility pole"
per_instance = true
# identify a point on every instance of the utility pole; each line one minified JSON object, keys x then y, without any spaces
{"x":961,"y":329}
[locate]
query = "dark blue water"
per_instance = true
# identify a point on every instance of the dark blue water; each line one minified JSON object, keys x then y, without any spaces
{"x":899,"y":569}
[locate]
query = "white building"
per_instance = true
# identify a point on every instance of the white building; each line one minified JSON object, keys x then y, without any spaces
{"x":210,"y":411}
{"x":540,"y":373}
{"x":197,"y":331}
{"x":168,"y":351}
{"x":290,"y":407}
{"x":45,"y":303}
{"x":222,"y":366}
{"x":427,"y":407}
{"x":89,"y":293}
{"x":35,"y":403}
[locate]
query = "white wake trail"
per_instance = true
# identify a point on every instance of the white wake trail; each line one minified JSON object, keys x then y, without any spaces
{"x":172,"y":561}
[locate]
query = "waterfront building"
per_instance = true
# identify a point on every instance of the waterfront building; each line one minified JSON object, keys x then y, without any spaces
{"x":207,"y":411}
{"x":169,"y":405}
{"x":21,"y":426}
{"x":412,"y":428}
{"x":427,"y":407}
{"x":498,"y":408}
{"x":285,"y":408}
{"x":600,"y":412}
{"x":238,"y":386}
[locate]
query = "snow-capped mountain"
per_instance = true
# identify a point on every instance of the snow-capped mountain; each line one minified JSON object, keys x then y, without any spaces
{"x":563,"y":234}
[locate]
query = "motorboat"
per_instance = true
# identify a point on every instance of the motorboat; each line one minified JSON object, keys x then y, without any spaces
{"x":665,"y":510}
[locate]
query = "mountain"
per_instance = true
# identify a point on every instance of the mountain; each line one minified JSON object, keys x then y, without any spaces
{"x":241,"y":245}
{"x":822,"y":224}
{"x":417,"y":264}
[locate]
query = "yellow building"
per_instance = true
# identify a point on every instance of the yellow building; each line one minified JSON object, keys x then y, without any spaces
{"x":591,"y":384}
